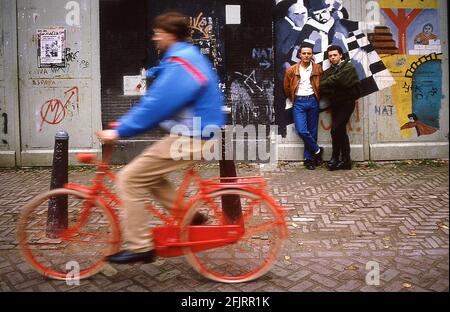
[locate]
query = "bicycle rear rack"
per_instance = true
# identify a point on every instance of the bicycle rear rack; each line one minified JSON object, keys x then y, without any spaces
{"x":235,"y":182}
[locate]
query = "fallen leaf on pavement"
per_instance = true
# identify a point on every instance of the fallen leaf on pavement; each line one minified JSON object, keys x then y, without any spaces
{"x":407,"y":285}
{"x":351,"y":268}
{"x":109,"y":271}
{"x":303,"y":219}
{"x":286,"y":260}
{"x":443,"y":226}
{"x":159,"y":262}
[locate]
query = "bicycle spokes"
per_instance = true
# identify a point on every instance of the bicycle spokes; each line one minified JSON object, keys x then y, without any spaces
{"x":250,"y":256}
{"x":90,"y":235}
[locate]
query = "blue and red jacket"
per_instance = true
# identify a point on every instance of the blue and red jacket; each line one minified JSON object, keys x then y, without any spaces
{"x":185,"y":87}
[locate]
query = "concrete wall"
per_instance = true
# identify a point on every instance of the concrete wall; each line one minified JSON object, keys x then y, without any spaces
{"x":58,"y":98}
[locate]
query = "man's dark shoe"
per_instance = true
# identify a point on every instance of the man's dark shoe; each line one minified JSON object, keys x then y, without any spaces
{"x":199,"y":219}
{"x":126,"y":256}
{"x":332,"y":164}
{"x":309,"y":164}
{"x":318,"y":158}
{"x":344,"y":165}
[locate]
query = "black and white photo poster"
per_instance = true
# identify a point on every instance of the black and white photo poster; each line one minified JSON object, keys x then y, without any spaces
{"x":51,"y":47}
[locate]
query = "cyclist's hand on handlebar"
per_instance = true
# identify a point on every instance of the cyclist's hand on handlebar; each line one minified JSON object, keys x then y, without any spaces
{"x":108,"y":136}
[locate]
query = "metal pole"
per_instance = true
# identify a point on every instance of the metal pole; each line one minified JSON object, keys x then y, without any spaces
{"x":231,"y":204}
{"x":57,"y":217}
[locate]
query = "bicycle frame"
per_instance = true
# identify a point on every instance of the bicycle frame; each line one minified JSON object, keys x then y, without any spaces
{"x":167,"y":237}
{"x":239,"y":242}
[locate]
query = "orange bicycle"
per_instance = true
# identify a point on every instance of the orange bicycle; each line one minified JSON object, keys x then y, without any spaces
{"x":219,"y":249}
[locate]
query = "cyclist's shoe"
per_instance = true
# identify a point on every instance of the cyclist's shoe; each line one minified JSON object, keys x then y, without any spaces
{"x":126,"y":256}
{"x":199,"y":219}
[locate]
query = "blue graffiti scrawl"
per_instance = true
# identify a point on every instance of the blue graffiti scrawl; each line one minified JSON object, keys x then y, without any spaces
{"x":325,"y":22}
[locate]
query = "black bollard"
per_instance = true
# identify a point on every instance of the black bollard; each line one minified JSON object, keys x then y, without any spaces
{"x":57,"y":217}
{"x":231,"y":204}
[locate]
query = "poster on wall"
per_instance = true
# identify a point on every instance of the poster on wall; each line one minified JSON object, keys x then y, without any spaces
{"x":51,"y":50}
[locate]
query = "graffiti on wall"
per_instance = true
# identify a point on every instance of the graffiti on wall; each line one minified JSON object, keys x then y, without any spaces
{"x":204,"y":36}
{"x":263,"y":57}
{"x":324,"y":22}
{"x":71,"y":57}
{"x":3,"y":124}
{"x":251,"y":92}
{"x":54,"y":111}
{"x":409,"y":41}
{"x":354,"y":125}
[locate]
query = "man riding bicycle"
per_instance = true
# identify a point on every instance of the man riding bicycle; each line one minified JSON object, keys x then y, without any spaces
{"x":185,"y":94}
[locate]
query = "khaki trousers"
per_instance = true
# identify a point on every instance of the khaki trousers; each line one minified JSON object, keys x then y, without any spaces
{"x":143,"y":176}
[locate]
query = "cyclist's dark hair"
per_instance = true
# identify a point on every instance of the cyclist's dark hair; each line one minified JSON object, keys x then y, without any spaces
{"x":174,"y":23}
{"x":335,"y":48}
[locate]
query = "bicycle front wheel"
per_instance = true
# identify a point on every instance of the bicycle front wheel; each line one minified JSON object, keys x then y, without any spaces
{"x":250,"y":257}
{"x":75,"y":251}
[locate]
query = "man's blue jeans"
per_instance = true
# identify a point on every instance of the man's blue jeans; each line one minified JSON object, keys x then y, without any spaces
{"x":306,"y":118}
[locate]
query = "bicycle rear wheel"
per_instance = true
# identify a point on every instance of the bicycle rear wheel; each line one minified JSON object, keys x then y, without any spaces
{"x":77,"y":251}
{"x":250,"y":257}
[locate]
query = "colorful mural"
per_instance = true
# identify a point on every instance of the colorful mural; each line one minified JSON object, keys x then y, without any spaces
{"x":401,"y":57}
{"x":325,"y":22}
{"x":409,"y":42}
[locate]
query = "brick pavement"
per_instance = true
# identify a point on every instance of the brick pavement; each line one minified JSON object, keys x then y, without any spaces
{"x":393,"y":214}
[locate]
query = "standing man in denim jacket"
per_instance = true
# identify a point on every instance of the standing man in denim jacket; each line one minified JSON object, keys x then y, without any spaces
{"x":301,"y":86}
{"x":185,"y":94}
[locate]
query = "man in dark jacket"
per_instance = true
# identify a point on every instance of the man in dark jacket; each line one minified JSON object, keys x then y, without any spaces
{"x":341,"y":85}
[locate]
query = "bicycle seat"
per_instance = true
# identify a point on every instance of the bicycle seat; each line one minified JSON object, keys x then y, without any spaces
{"x":85,"y":158}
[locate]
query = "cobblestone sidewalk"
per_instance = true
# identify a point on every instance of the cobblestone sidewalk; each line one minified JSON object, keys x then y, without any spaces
{"x":393,"y":214}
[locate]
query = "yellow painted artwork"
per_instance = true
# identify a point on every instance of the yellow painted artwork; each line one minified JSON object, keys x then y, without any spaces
{"x":409,"y":4}
{"x":400,"y":67}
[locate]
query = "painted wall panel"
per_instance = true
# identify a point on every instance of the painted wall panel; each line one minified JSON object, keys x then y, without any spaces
{"x":9,"y":117}
{"x":58,"y":96}
{"x":400,"y":45}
